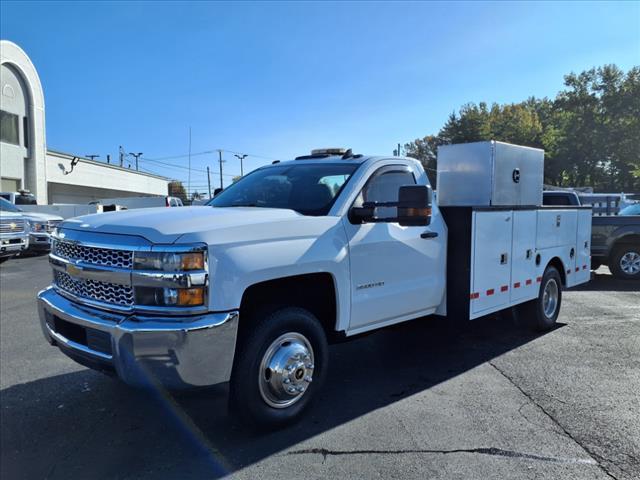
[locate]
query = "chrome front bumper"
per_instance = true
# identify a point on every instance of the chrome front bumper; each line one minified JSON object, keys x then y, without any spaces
{"x":39,"y":241}
{"x":177,"y":352}
{"x":9,"y":249}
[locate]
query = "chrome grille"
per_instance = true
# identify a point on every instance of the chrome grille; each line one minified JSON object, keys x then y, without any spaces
{"x":96,"y":256}
{"x":15,"y":225}
{"x":94,"y":290}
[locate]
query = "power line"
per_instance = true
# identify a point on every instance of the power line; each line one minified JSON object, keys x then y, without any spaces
{"x":250,"y":155}
{"x":205,"y":152}
{"x":186,"y":155}
{"x":173,"y":165}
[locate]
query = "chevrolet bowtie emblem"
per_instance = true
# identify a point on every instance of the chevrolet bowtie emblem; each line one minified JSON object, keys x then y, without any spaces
{"x":73,"y":269}
{"x":12,"y":226}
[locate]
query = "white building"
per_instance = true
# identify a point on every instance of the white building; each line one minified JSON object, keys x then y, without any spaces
{"x":25,"y":162}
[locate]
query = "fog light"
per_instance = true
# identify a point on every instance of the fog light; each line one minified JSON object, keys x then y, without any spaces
{"x":190,"y":296}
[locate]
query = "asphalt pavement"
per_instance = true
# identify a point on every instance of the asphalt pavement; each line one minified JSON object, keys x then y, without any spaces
{"x":413,"y":401}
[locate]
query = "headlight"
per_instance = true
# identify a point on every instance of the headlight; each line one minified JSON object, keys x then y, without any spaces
{"x":168,"y":261}
{"x":38,"y":227}
{"x":180,"y":264}
{"x":170,"y":297}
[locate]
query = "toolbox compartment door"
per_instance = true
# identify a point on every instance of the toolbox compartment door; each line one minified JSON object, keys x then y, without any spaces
{"x":583,"y":248}
{"x":491,"y":260}
{"x":523,"y":265}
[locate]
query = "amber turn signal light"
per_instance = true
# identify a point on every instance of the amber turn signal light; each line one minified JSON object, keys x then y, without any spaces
{"x":190,"y":296}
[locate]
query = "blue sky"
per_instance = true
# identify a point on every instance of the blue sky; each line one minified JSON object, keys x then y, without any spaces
{"x":277,"y":79}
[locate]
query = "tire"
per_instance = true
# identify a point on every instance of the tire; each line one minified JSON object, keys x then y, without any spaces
{"x":289,"y":337}
{"x":624,"y":262}
{"x":541,"y":314}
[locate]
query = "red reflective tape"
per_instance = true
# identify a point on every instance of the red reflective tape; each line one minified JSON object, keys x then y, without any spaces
{"x":516,"y":285}
{"x":474,"y":295}
{"x":528,"y":282}
{"x":539,"y":279}
{"x":577,"y":269}
{"x":504,"y":288}
{"x":491,"y":291}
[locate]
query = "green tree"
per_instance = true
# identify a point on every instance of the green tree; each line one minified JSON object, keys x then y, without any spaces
{"x":590,"y":132}
{"x":176,"y":189}
{"x":426,"y":150}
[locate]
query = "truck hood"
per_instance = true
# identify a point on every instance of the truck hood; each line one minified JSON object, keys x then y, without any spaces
{"x":166,"y":225}
{"x":5,"y":214}
{"x":41,"y":217}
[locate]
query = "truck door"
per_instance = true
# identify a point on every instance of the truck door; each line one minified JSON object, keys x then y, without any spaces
{"x":395,"y":272}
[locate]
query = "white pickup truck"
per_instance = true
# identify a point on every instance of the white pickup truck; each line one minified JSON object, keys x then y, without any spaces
{"x":251,"y":288}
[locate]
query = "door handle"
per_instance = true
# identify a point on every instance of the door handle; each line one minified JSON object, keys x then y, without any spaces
{"x":428,"y":234}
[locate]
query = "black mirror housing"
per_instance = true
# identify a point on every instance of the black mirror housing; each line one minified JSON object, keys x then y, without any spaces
{"x":414,"y":205}
{"x":217,"y":191}
{"x":359,"y":215}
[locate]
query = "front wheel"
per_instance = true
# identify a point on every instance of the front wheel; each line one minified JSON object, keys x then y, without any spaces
{"x":625,"y":262}
{"x":541,"y":314}
{"x":279,"y":367}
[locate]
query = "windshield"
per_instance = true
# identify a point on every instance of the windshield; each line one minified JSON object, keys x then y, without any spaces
{"x":307,"y":189}
{"x":6,"y":206}
{"x":630,"y":210}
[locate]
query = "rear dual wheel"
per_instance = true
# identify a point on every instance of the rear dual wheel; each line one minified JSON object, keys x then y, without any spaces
{"x":541,"y":313}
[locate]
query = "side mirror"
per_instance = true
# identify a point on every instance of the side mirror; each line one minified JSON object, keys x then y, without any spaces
{"x":414,"y":205}
{"x":360,"y":215}
{"x":217,"y":191}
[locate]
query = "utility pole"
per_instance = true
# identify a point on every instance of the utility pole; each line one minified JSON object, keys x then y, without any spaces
{"x":189,"y":178}
{"x":209,"y":180}
{"x":220,"y":161}
{"x":241,"y":157}
{"x":137,"y":156}
{"x":92,"y":157}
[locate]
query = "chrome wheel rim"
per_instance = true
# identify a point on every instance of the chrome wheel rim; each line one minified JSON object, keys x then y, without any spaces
{"x":630,"y":263}
{"x":286,"y":370}
{"x":550,"y":298}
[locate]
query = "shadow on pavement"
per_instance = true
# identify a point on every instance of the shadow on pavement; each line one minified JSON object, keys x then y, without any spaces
{"x":86,"y":425}
{"x":605,"y":282}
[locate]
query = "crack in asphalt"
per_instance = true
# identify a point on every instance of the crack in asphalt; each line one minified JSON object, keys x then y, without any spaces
{"x":597,"y":459}
{"x":482,"y":451}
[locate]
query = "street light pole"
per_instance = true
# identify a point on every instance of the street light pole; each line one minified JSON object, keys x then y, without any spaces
{"x":241,"y":158}
{"x":136,"y":156}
